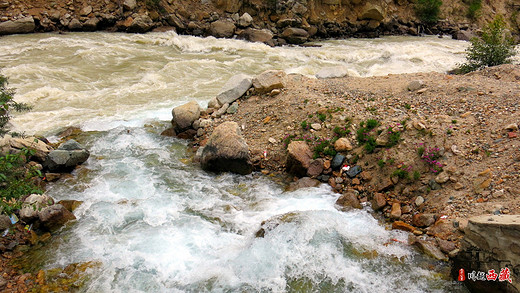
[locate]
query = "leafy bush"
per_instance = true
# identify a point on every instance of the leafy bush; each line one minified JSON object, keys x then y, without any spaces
{"x":494,"y":47}
{"x":474,"y":9}
{"x":7,"y":104}
{"x":428,"y":10}
{"x":16,"y":180}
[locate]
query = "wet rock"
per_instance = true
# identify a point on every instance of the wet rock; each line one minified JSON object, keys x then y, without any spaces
{"x":348,"y":201}
{"x":169,"y":132}
{"x":343,"y":144}
{"x":304,"y":182}
{"x":415,"y":85}
{"x":429,"y":248}
{"x":257,"y":35}
{"x":68,"y":155}
{"x":423,"y":220}
{"x":20,"y":26}
{"x":315,"y":168}
{"x":395,"y":212}
{"x":295,"y":35}
{"x":354,"y":171}
{"x":32,"y":205}
{"x":141,"y":24}
{"x":332,"y":72}
{"x":222,"y":29}
{"x":70,"y":204}
{"x":75,"y":25}
{"x":269,"y":80}
{"x":489,"y":243}
{"x":55,"y":216}
{"x":400,"y":225}
{"x":378,"y":202}
{"x":337,"y":161}
{"x":129,"y":5}
{"x":227,"y":151}
{"x":299,"y":157}
{"x":185,"y":115}
{"x":234,"y":88}
{"x":273,"y":222}
{"x":245,"y":20}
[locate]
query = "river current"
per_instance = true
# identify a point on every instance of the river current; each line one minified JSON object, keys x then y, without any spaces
{"x":154,"y":220}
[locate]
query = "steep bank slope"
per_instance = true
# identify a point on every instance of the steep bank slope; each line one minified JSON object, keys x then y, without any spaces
{"x":265,"y":21}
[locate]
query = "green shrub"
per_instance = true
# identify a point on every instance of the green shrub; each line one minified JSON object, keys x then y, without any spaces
{"x":16,"y":180}
{"x":7,"y":103}
{"x":305,"y":125}
{"x":494,"y":47}
{"x":370,"y":145}
{"x":474,"y":9}
{"x":428,"y":10}
{"x":322,"y":117}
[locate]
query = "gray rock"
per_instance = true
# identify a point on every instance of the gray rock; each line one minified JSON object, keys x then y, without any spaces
{"x":430,"y":249}
{"x":337,"y":161}
{"x":419,"y":200}
{"x":75,"y":25}
{"x":5,"y":222}
{"x":332,"y":72}
{"x":299,"y":157}
{"x":227,"y":151}
{"x":222,"y":29}
{"x":269,"y":80}
{"x":185,"y":115}
{"x":55,"y":216}
{"x":295,"y":35}
{"x":315,"y":168}
{"x":354,"y":171}
{"x":220,"y":111}
{"x":233,"y":108}
{"x":65,"y":161}
{"x":71,"y":145}
{"x":245,"y":20}
{"x":415,"y":85}
{"x":234,"y":88}
{"x":20,"y":26}
{"x":434,"y":185}
{"x":213,"y":103}
{"x":129,"y":5}
{"x":141,"y":24}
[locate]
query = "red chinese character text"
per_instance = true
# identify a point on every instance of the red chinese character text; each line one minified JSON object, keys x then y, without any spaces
{"x":504,"y":275}
{"x":491,"y":275}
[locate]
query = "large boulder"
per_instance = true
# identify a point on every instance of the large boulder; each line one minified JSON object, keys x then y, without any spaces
{"x":269,"y":80}
{"x":55,"y":216}
{"x":68,"y":155}
{"x":226,"y":151}
{"x":491,"y":243}
{"x":9,"y":144}
{"x":20,"y":26}
{"x":222,"y":29}
{"x":185,"y":115}
{"x":141,"y":24}
{"x":299,"y":157}
{"x":234,"y":88}
{"x":257,"y":35}
{"x":373,"y":12}
{"x":332,"y":72}
{"x":295,"y":35}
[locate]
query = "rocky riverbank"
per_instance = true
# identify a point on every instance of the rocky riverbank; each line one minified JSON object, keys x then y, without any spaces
{"x":428,"y":150}
{"x":271,"y":22}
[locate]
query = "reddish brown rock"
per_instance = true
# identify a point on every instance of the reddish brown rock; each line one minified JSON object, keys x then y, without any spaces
{"x":395,"y":213}
{"x":315,"y":168}
{"x":348,"y":200}
{"x":423,"y":220}
{"x":400,"y":225}
{"x":303,"y":183}
{"x":299,"y":157}
{"x":378,"y":202}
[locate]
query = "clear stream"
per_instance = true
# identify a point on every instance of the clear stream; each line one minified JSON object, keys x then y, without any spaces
{"x":156,"y":222}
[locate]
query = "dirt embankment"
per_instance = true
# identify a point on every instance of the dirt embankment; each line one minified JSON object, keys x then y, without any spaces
{"x":271,"y":22}
{"x":444,"y":147}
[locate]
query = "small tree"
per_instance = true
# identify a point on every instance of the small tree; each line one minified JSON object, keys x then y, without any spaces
{"x":428,"y":11}
{"x":494,"y":47}
{"x":7,"y":103}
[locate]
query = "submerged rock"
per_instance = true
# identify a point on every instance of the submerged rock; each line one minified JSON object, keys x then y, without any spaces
{"x":227,"y":151}
{"x":304,"y":182}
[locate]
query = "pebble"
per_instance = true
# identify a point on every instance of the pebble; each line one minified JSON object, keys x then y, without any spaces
{"x":272,"y":140}
{"x":419,"y":201}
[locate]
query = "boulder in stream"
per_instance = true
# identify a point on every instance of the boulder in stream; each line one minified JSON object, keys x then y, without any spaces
{"x":68,"y":155}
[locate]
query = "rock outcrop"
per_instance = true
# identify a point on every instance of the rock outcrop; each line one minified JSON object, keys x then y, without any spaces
{"x":490,"y":243}
{"x":226,"y":151}
{"x":19,"y":26}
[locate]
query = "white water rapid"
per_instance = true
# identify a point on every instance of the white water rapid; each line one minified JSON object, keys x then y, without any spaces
{"x":156,"y":222}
